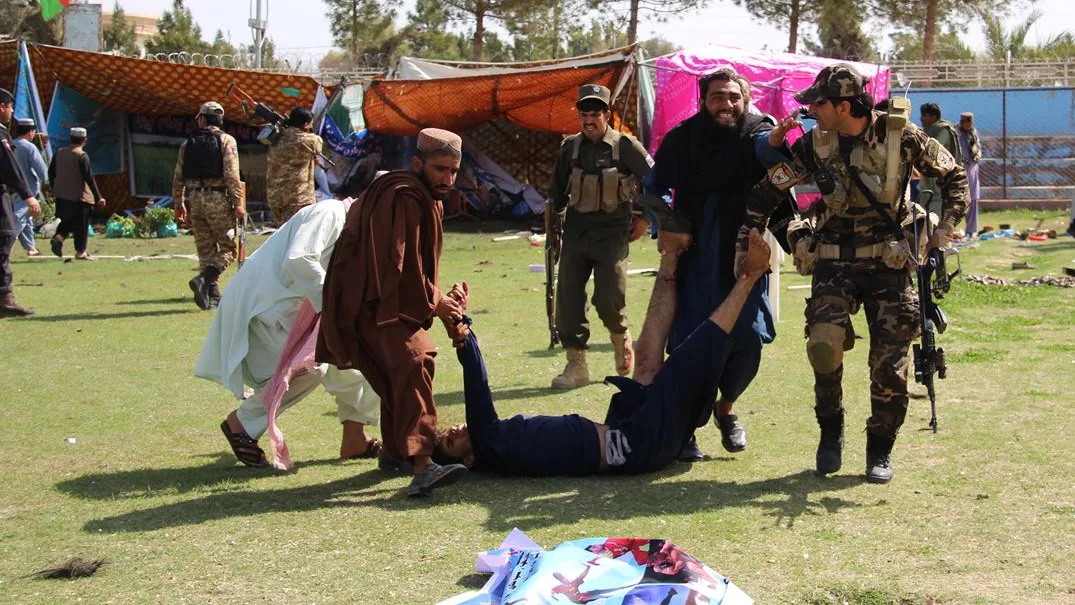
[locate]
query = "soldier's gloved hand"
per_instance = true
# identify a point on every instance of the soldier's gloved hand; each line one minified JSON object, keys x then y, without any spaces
{"x":804,"y":258}
{"x":942,"y":236}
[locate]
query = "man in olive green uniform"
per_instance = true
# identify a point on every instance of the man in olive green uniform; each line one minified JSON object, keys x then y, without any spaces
{"x":206,"y":180}
{"x":594,"y":185}
{"x":856,"y":247}
{"x":291,"y":166}
{"x":945,"y":133}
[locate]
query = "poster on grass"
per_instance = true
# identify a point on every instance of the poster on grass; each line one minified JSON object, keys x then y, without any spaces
{"x":598,"y":571}
{"x":105,"y":128}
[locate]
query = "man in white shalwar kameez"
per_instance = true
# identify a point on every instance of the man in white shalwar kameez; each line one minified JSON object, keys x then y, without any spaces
{"x":252,"y":325}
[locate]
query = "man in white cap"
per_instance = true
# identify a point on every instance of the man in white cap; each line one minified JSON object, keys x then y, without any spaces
{"x":10,"y":177}
{"x":73,"y":185}
{"x":206,"y":184}
{"x":35,"y":172}
{"x":381,"y":295}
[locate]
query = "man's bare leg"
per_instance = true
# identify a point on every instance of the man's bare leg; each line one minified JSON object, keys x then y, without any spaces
{"x":649,"y":348}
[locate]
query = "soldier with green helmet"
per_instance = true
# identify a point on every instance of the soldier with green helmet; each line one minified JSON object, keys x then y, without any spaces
{"x":857,"y":248}
{"x":594,"y":185}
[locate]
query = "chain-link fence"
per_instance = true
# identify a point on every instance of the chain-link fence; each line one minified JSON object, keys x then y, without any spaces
{"x":1027,"y":139}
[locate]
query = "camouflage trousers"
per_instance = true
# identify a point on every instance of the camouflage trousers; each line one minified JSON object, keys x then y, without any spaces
{"x":892,"y":314}
{"x":282,"y":212}
{"x":211,"y":217}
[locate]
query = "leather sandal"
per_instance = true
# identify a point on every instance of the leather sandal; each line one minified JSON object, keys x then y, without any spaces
{"x":246,"y":450}
{"x":373,"y":450}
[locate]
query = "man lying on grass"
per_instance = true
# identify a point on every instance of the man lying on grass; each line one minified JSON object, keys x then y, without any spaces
{"x":645,"y":428}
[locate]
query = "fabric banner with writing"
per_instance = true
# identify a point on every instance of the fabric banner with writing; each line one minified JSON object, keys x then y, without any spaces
{"x":105,"y":128}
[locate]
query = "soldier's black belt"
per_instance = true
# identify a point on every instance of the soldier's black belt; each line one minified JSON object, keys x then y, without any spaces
{"x":218,"y":189}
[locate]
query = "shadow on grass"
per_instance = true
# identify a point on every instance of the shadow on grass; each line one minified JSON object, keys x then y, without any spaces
{"x":558,"y":351}
{"x":123,"y":315}
{"x":156,"y":301}
{"x":517,"y":502}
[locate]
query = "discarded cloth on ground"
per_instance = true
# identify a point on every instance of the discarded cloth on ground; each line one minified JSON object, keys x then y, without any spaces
{"x":598,"y":571}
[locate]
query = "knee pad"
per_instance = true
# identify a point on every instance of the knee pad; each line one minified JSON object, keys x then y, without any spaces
{"x":825,"y":347}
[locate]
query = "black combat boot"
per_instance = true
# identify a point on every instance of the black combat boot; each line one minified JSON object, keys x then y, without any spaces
{"x":212,"y":295}
{"x":197,"y":286}
{"x":830,"y":447}
{"x":878,"y":464}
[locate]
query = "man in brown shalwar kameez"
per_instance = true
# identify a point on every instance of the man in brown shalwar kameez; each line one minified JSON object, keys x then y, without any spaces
{"x":381,"y":295}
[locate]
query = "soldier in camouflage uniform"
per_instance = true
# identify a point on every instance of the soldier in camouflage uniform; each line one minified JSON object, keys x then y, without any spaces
{"x":858,"y":256}
{"x":291,"y":166}
{"x":206,"y":180}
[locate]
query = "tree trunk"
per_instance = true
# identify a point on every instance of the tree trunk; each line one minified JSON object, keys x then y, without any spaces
{"x":632,"y":27}
{"x":793,"y":26}
{"x":479,"y":30}
{"x":354,"y":32}
{"x":930,"y":31}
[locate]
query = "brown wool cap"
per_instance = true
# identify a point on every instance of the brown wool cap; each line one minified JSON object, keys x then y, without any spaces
{"x":437,"y":139}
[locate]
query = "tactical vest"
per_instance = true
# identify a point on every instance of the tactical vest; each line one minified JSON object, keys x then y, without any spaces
{"x":881,"y":167}
{"x":203,"y":157}
{"x":606,"y":190}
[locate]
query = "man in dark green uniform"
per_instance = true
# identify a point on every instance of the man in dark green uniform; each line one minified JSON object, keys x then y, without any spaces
{"x":10,"y":179}
{"x":594,"y":185}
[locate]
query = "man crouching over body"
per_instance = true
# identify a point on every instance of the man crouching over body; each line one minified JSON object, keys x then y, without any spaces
{"x":270,"y":304}
{"x":646,"y":426}
{"x":381,"y":295}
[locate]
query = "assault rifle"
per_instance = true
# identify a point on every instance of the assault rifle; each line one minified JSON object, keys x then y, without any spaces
{"x":933,"y":283}
{"x":240,"y":241}
{"x":553,"y":233}
{"x":274,"y":120}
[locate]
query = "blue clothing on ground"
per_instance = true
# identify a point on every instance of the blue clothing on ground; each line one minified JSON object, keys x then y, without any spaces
{"x":654,"y":421}
{"x":523,"y":445}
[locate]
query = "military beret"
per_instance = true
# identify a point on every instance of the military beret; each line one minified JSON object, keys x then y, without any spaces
{"x":840,"y":81}
{"x":436,"y":139}
{"x":6,"y":96}
{"x":78,"y":132}
{"x":25,"y":122}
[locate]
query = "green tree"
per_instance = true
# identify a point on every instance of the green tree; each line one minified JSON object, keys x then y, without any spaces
{"x":1000,"y":42}
{"x":839,"y":30}
{"x":949,"y":46}
{"x":783,"y":13}
{"x":631,"y":11}
{"x":221,"y":46}
{"x":480,"y":12}
{"x":426,"y":34}
{"x":177,"y":32}
{"x":362,"y":27}
{"x":658,"y":47}
{"x":929,"y":16}
{"x":120,"y":35}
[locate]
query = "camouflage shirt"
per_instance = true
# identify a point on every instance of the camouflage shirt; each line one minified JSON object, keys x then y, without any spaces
{"x":229,"y":181}
{"x":845,"y":212}
{"x":291,"y":169}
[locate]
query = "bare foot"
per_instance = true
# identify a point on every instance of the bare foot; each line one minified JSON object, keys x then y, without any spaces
{"x":355,"y":444}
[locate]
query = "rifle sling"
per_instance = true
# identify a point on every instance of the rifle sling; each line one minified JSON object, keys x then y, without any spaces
{"x":845,"y":155}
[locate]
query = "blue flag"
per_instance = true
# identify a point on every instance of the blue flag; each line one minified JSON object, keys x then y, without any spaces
{"x":27,"y":101}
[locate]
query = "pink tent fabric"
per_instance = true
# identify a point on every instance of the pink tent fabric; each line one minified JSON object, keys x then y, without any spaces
{"x":774,"y":78}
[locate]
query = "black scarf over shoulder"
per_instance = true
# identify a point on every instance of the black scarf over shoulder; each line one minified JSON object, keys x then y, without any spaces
{"x":698,"y":158}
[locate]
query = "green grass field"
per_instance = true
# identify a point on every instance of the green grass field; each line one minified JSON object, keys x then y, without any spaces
{"x":982,"y":512}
